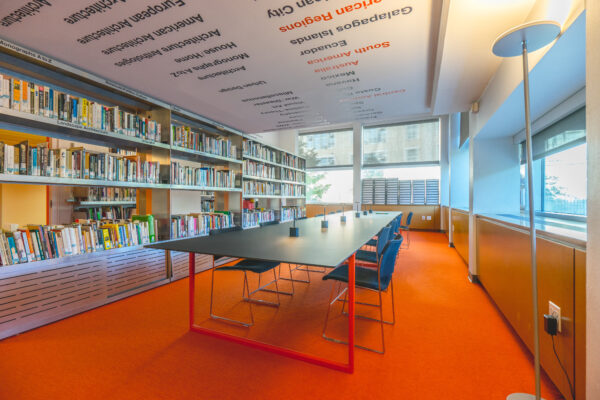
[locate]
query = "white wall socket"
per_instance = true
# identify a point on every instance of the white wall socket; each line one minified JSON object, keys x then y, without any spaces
{"x":554,"y":310}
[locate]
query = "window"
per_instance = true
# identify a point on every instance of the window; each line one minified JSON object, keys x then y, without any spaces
{"x":326,"y":149}
{"x":559,"y":168}
{"x":329,"y":186}
{"x":405,"y":143}
{"x":403,"y":173}
{"x":411,"y":155}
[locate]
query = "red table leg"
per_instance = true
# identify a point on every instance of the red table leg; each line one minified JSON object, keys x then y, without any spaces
{"x":351,"y":290}
{"x":349,"y":367}
{"x":192,"y":265}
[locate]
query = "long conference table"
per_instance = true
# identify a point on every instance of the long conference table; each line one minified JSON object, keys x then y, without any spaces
{"x":314,"y":246}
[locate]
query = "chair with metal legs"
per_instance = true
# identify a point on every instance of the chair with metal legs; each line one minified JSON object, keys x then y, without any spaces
{"x":247,"y":265}
{"x":378,"y":280}
{"x":254,"y":266}
{"x":406,"y":228}
{"x":372,"y":257}
{"x":395,"y":224}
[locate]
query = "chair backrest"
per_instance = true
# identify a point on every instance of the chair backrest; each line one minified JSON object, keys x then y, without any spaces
{"x":409,"y":218}
{"x":338,"y":211}
{"x":299,"y":218}
{"x":395,"y":225}
{"x":224,"y":230}
{"x":331,"y":212}
{"x":319,"y":215}
{"x":274,"y":222}
{"x":382,"y":239}
{"x":387,"y":262}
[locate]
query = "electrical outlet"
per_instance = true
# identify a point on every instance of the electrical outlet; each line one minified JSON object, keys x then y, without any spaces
{"x":554,"y":310}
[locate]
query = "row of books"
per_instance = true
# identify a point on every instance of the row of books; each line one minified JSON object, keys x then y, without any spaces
{"x":184,"y":136}
{"x":30,"y":97}
{"x":255,"y":149}
{"x":293,"y":161}
{"x":199,"y":224}
{"x":291,"y":213}
{"x":42,"y":242}
{"x":253,"y":218}
{"x":259,"y":170}
{"x":103,"y":212}
{"x":97,"y":193}
{"x":291,"y":175}
{"x":292,"y":190}
{"x":261,"y":188}
{"x":75,"y":162}
{"x":201,"y":176}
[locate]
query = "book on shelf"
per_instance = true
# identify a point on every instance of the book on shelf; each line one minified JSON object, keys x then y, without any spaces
{"x":290,"y":189}
{"x":289,"y":213}
{"x":110,"y":194}
{"x":290,"y":160}
{"x":43,"y":242}
{"x":199,"y":224}
{"x":291,"y":175}
{"x":259,"y":170}
{"x":75,"y":163}
{"x":182,"y":174}
{"x":47,"y":101}
{"x":185,"y":136}
{"x":254,"y":217}
{"x":261,"y":188}
{"x":255,"y":149}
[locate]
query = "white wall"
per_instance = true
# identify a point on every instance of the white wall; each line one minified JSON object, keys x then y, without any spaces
{"x":593,"y":244}
{"x":459,"y":167}
{"x":496,"y":176}
{"x":444,"y":161}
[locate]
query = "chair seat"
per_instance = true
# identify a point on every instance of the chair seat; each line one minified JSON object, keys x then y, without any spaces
{"x":256,"y":266}
{"x":368,"y":256}
{"x":403,"y":226}
{"x":372,"y":242}
{"x":364,"y":277}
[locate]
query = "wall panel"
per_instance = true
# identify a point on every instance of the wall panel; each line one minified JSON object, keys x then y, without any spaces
{"x":460,"y":229}
{"x":505,"y":272}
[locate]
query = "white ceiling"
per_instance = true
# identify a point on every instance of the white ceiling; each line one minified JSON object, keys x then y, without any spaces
{"x":434,"y":56}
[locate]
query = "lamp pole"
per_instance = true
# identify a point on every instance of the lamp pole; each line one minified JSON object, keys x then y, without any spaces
{"x":519,"y":41}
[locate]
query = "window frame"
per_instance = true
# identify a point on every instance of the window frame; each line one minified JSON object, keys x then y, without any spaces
{"x":333,"y":131}
{"x":405,"y":163}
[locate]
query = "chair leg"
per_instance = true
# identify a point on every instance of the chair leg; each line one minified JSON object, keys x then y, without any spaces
{"x":329,"y":303}
{"x":392,"y":322}
{"x":263,"y":288}
{"x":291,"y":278}
{"x":331,"y":339}
{"x":220,"y":318}
{"x":381,"y":322}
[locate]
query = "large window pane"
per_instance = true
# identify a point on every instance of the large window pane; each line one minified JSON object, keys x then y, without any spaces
{"x":565,"y":181}
{"x":329,"y":186}
{"x":406,"y":143}
{"x":326,"y":149}
{"x":402,"y":173}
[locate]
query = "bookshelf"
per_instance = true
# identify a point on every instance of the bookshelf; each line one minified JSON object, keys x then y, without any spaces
{"x":273,"y":182}
{"x":210,"y":195}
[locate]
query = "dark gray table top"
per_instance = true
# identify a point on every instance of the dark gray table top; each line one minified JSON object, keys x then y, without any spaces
{"x":314,"y":246}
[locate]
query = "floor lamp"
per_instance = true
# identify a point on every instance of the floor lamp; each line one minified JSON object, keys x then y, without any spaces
{"x":518,"y":41}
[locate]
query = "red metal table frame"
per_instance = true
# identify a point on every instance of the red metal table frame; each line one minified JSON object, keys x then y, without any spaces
{"x":309,"y":358}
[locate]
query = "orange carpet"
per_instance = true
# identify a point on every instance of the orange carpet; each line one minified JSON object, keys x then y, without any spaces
{"x":449,"y":342}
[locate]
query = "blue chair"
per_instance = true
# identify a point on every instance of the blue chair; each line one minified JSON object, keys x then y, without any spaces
{"x":379,"y":280}
{"x":373,"y":256}
{"x":395,"y":224}
{"x":406,"y":228}
{"x":319,"y":215}
{"x":247,"y":265}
